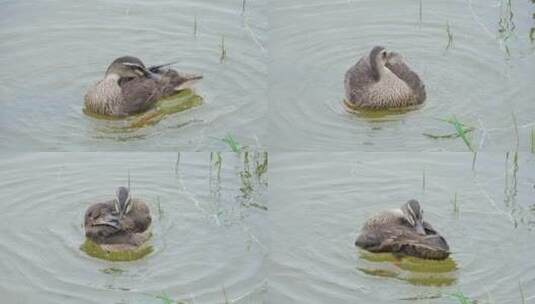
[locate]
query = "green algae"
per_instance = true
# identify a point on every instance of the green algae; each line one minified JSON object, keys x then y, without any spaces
{"x":179,"y":102}
{"x":95,"y":250}
{"x":183,"y":100}
{"x":413,"y":270}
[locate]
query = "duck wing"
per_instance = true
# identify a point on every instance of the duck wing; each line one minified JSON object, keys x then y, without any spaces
{"x":401,"y":240}
{"x":138,"y":220}
{"x":172,"y":81}
{"x":402,"y":70}
{"x":140,"y":94}
{"x":357,"y":81}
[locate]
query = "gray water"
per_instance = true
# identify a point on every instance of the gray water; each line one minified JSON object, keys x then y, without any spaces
{"x":209,"y":234}
{"x":319,"y":203}
{"x":220,"y":234}
{"x":281,"y":85}
{"x":482,"y":79}
{"x":52,"y":51}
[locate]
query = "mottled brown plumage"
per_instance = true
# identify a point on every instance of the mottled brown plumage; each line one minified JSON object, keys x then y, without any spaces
{"x":120,"y":221}
{"x":382,"y":81}
{"x":129,"y":87}
{"x":403,"y":232}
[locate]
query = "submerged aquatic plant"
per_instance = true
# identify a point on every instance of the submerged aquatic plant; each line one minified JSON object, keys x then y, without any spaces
{"x":252,"y":180}
{"x":195,"y":26}
{"x":423,"y":180}
{"x":112,"y":270}
{"x":223,"y":55}
{"x":450,"y":36}
{"x":455,"y":204}
{"x":160,"y":210}
{"x":420,"y":13}
{"x":461,"y":298}
{"x":506,"y":25}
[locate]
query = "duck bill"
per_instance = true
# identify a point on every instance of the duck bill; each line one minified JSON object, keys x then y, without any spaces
{"x":111,"y":221}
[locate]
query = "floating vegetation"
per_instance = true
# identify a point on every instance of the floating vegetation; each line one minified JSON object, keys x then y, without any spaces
{"x":450,"y":36}
{"x":461,"y":130}
{"x":183,"y":100}
{"x":410,"y":269}
{"x":225,"y":295}
{"x":233,"y":144}
{"x":522,"y":296}
{"x":95,"y":250}
{"x":461,"y":298}
{"x":223,"y":55}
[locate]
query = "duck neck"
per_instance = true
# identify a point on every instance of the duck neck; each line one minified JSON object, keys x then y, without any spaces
{"x":112,"y":77}
{"x":377,"y":69}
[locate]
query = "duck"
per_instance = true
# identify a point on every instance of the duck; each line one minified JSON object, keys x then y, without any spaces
{"x":120,"y":223}
{"x":403,"y":232}
{"x":129,"y":88}
{"x":382,"y":81}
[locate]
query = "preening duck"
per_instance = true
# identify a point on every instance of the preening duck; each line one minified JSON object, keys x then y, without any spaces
{"x":129,"y":87}
{"x":120,"y":221}
{"x":382,"y":81}
{"x":403,"y":231}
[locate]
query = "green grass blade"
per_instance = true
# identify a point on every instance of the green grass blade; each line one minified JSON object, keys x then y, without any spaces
{"x":462,"y":132}
{"x":233,"y":144}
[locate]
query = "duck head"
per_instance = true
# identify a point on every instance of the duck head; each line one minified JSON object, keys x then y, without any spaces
{"x":123,"y":202}
{"x":128,"y":67}
{"x":379,"y":58}
{"x":414,"y":215}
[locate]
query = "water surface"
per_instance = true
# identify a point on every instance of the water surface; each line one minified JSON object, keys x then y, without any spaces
{"x":52,"y":51}
{"x":484,"y":76}
{"x":318,"y":205}
{"x":209,"y":228}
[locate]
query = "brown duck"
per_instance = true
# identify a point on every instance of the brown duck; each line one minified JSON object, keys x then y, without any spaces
{"x":382,"y":81}
{"x":121,"y":221}
{"x":129,"y":87}
{"x":403,"y":232}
